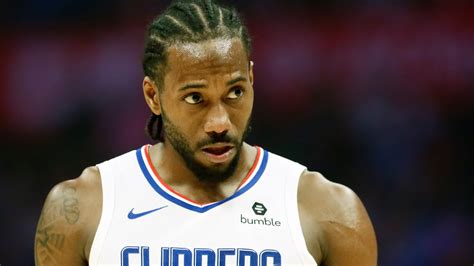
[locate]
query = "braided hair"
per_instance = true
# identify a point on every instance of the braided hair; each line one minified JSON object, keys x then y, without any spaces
{"x":186,"y":21}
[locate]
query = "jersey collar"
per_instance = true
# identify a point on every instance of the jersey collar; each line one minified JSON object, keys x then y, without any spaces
{"x":168,"y":193}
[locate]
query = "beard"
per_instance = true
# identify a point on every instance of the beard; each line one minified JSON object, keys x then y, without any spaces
{"x":204,"y":173}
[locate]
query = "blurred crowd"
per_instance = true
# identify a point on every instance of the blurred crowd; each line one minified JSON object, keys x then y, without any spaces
{"x":377,"y":95}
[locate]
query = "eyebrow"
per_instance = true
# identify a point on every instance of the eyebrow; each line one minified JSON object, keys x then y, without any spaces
{"x":200,"y":86}
{"x":192,"y":86}
{"x":237,"y":79}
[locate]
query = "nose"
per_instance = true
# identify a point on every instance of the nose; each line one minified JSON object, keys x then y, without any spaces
{"x":218,"y":121}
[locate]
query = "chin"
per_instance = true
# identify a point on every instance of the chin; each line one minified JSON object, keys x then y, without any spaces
{"x":206,"y":170}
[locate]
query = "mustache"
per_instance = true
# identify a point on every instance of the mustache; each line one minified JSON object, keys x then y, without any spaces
{"x":218,"y":138}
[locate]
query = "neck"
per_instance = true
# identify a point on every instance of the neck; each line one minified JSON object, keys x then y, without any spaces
{"x":173,"y":170}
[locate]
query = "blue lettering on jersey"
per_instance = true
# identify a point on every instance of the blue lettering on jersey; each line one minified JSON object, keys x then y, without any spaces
{"x":269,"y":253}
{"x":247,"y":253}
{"x":143,"y":252}
{"x":200,"y":253}
{"x":184,"y":253}
{"x":174,"y":256}
{"x":222,"y":253}
{"x":165,"y":256}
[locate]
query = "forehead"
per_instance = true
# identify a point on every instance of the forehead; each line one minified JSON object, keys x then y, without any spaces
{"x":212,"y":57}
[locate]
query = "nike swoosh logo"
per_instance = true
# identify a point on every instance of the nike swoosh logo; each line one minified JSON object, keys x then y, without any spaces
{"x":132,"y":215}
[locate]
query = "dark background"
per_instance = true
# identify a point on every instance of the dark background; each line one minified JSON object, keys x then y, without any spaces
{"x":375,"y":94}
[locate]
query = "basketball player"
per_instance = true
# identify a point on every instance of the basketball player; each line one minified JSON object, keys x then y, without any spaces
{"x":201,"y":195}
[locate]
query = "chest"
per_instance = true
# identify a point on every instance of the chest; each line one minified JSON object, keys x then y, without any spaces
{"x":144,"y":223}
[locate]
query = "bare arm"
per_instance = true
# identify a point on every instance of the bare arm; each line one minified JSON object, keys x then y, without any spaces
{"x":68,"y":221}
{"x":337,"y":228}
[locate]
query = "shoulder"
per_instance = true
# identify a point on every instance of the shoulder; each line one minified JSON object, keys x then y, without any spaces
{"x":340,"y":202}
{"x":79,"y":197}
{"x":335,"y":223}
{"x":68,"y":220}
{"x":282,"y":162}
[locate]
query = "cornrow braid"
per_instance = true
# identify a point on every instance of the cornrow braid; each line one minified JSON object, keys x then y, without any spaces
{"x":186,"y":21}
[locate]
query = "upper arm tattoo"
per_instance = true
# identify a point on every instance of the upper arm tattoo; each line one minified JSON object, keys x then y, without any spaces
{"x":51,"y":231}
{"x":70,"y":205}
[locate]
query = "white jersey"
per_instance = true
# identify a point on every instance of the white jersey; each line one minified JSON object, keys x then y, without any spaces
{"x":145,"y":222}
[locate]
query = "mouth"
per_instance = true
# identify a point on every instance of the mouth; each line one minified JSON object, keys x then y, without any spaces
{"x":218,"y":153}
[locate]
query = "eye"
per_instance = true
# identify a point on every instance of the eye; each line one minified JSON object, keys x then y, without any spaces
{"x":193,"y":98}
{"x":236,"y":93}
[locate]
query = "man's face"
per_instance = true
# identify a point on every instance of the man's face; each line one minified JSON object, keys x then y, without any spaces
{"x":206,"y":105}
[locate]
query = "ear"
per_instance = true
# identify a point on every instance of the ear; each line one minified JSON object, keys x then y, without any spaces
{"x":251,"y":71}
{"x":152,"y":95}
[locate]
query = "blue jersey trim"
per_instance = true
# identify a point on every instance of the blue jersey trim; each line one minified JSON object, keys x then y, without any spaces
{"x":186,"y":205}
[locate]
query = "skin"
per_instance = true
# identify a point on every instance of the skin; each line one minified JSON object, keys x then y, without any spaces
{"x":68,"y":221}
{"x":199,"y":100}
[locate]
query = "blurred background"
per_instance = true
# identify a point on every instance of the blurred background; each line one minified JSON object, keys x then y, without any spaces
{"x":375,"y":94}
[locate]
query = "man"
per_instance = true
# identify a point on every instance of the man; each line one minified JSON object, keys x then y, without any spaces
{"x":201,"y":195}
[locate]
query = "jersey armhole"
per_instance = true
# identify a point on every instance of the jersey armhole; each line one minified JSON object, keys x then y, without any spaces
{"x":108,"y":195}
{"x":296,"y":231}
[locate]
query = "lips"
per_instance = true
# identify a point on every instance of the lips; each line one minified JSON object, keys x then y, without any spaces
{"x":218,"y":153}
{"x":217,"y":150}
